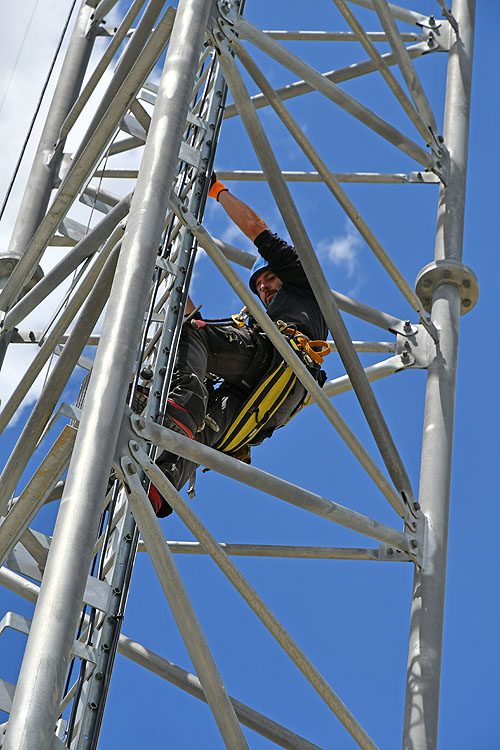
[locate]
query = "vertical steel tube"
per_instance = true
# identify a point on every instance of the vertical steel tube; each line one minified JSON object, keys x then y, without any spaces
{"x":41,"y":680}
{"x":41,"y":179}
{"x":426,"y":629}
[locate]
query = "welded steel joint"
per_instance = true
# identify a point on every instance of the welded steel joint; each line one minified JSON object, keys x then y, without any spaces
{"x":447,"y":272}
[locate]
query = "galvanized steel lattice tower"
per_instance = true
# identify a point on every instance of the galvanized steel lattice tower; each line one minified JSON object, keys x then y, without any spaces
{"x":134,"y":259}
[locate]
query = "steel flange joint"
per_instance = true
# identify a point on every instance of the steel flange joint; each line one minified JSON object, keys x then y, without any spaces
{"x":447,"y":272}
{"x":8,"y":262}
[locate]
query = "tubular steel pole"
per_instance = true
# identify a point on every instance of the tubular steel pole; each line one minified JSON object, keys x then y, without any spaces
{"x":41,"y":680}
{"x":43,"y":172}
{"x":42,"y":176}
{"x":426,"y":629}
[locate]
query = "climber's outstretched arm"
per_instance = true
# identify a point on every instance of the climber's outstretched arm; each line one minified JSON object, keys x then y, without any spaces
{"x":243,"y":216}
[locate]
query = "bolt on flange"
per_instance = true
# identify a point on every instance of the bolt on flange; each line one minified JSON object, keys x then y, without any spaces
{"x":447,"y":272}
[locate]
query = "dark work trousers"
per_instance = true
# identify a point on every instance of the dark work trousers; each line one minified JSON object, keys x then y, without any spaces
{"x":233,"y":354}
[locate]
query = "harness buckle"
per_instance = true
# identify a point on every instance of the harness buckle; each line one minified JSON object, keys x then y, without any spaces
{"x":239,"y":319}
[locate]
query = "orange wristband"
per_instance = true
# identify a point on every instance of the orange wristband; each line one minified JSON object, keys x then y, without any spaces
{"x":216,"y":190}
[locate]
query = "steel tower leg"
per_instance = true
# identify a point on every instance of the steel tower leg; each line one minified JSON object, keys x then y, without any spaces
{"x":45,"y":169}
{"x":426,"y":629}
{"x":41,"y":680}
{"x":43,"y":172}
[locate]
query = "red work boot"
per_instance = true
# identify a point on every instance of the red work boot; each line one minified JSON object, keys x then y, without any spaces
{"x":179,"y":420}
{"x":160,"y":505}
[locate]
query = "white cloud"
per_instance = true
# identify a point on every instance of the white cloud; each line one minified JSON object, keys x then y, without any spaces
{"x":231,"y":233}
{"x":343,"y":250}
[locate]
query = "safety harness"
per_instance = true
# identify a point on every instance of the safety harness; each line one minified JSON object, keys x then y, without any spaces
{"x":271,"y":391}
{"x":276,"y":382}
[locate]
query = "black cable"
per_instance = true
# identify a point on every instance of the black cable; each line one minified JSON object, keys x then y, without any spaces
{"x":21,"y":48}
{"x":37,"y":110}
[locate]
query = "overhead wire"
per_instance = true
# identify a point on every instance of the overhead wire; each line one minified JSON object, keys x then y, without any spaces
{"x":16,"y":62}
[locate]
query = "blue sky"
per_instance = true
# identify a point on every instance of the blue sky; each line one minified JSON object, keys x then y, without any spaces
{"x":350,"y":618}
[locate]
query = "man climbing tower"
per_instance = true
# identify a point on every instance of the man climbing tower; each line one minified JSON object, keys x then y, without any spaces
{"x":242,"y":356}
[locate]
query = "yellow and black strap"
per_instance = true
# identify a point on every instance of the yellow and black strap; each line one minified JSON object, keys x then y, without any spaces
{"x":272,"y":390}
{"x":258,"y":409}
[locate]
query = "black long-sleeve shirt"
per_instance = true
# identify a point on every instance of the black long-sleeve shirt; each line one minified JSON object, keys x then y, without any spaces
{"x":295,"y":301}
